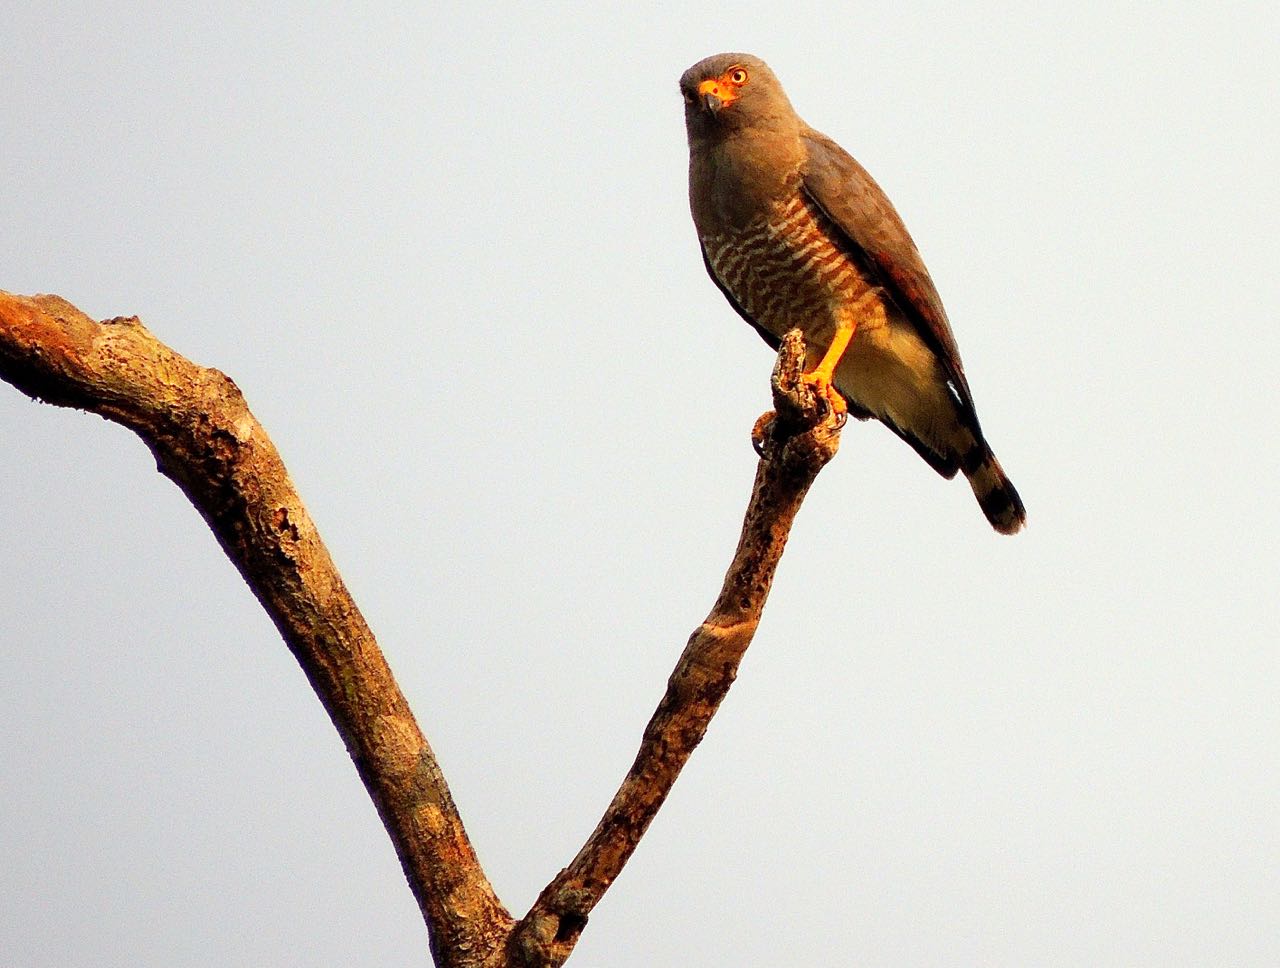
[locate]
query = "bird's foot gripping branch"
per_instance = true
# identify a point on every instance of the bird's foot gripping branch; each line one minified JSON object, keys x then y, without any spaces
{"x":803,"y":417}
{"x":206,"y":440}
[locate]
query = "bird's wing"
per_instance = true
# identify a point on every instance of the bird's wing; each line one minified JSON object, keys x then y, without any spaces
{"x":872,"y":228}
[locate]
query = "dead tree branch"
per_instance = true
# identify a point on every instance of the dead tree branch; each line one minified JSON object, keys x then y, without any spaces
{"x":204,"y":438}
{"x":795,"y":443}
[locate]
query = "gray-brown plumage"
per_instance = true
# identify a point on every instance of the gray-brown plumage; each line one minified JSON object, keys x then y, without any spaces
{"x":796,"y":233}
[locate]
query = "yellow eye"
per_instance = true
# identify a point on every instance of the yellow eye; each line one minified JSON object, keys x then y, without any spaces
{"x":738,"y":75}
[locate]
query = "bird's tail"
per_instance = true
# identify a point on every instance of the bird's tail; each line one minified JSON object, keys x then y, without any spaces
{"x":993,"y":489}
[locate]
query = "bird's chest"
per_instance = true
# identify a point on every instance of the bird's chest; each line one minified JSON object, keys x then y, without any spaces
{"x":784,"y":268}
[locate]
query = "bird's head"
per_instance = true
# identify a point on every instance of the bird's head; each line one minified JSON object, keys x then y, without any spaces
{"x":730,"y":91}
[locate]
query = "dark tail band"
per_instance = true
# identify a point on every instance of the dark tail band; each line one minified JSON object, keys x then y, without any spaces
{"x":996,"y":494}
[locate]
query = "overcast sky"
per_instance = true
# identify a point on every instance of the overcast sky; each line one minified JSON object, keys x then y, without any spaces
{"x":446,"y":253}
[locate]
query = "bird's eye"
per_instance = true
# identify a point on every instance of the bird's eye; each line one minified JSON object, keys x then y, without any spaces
{"x":738,"y":75}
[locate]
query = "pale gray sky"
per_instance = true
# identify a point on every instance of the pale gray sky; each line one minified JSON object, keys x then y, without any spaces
{"x":445,"y":252}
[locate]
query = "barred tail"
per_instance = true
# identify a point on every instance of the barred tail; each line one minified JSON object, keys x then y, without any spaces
{"x":993,"y":489}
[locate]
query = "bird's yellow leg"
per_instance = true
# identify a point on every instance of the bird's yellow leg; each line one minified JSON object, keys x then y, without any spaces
{"x":820,"y":376}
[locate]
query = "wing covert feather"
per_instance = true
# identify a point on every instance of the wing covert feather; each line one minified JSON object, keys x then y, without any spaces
{"x":852,"y":200}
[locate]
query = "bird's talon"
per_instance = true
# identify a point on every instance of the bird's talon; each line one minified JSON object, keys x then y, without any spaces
{"x":835,"y":400}
{"x":822,"y":387}
{"x":758,"y":432}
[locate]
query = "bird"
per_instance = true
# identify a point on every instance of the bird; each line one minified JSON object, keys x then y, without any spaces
{"x":795,"y":233}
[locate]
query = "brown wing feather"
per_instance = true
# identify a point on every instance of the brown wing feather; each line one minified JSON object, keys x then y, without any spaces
{"x":851,"y":199}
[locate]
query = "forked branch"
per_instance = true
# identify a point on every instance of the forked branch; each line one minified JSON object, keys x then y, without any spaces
{"x":204,"y":438}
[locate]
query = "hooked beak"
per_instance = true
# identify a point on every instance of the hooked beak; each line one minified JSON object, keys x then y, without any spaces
{"x":714,"y":96}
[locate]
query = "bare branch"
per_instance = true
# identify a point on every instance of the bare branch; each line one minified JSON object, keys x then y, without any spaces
{"x":204,"y":438}
{"x":795,"y":443}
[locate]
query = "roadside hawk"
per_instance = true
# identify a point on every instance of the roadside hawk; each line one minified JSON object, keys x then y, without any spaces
{"x":795,"y":233}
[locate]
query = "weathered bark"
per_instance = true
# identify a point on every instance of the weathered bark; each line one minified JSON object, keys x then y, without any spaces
{"x":204,"y":438}
{"x":794,"y":443}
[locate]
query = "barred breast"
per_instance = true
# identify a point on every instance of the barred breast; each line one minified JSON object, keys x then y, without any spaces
{"x":785,"y":271}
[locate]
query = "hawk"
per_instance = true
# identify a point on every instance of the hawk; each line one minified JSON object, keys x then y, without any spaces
{"x":795,"y":233}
